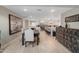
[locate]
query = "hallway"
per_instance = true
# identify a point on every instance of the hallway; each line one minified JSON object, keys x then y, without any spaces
{"x":47,"y":45}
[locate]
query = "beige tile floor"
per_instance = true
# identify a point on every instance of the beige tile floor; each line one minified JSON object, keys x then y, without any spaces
{"x":47,"y":45}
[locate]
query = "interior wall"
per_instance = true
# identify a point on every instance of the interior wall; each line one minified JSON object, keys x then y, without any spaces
{"x":25,"y":24}
{"x":4,"y":25}
{"x":53,"y":20}
{"x":74,"y":25}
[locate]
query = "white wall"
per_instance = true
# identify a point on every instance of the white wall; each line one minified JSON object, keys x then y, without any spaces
{"x":25,"y":24}
{"x":4,"y":25}
{"x":74,"y":11}
{"x":54,"y":20}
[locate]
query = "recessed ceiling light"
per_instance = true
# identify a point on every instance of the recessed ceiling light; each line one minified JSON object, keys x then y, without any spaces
{"x":42,"y":21}
{"x":31,"y":16}
{"x":25,"y":9}
{"x":52,"y":10}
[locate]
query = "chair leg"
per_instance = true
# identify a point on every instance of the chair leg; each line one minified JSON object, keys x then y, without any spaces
{"x":32,"y":44}
{"x":38,"y":41}
{"x":25,"y":44}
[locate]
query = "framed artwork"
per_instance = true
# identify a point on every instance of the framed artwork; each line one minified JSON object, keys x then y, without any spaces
{"x":73,"y":18}
{"x":15,"y":24}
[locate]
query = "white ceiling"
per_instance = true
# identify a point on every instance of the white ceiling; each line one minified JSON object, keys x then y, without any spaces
{"x":38,"y":11}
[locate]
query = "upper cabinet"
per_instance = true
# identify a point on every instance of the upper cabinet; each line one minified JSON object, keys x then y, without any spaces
{"x":73,"y":18}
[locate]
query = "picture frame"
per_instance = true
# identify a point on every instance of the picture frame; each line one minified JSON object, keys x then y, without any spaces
{"x":15,"y":24}
{"x":73,"y":18}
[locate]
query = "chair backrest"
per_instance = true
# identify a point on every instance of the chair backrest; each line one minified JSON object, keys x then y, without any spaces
{"x":29,"y":35}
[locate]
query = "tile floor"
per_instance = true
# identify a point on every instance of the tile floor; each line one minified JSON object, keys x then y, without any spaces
{"x":47,"y":45}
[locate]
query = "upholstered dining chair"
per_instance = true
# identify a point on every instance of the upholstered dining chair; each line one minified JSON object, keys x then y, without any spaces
{"x":29,"y":36}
